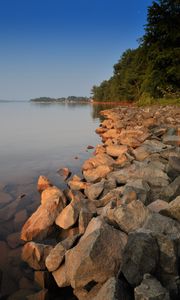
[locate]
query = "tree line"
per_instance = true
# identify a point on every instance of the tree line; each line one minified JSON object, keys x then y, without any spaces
{"x":153,"y":69}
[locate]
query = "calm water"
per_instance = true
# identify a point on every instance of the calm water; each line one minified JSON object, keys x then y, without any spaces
{"x":36,"y":138}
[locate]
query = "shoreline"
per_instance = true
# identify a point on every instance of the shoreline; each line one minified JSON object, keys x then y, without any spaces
{"x":125,"y":191}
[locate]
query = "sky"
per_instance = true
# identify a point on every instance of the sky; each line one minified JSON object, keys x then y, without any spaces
{"x":59,"y":48}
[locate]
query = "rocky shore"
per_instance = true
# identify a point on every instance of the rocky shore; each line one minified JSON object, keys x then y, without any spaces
{"x":113,"y":234}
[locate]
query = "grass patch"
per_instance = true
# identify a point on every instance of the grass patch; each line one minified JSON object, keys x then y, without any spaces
{"x":146,"y":100}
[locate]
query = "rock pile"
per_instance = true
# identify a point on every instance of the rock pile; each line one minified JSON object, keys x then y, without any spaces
{"x":114,"y":233}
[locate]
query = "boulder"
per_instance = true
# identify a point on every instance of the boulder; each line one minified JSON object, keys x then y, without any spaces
{"x":65,"y":173}
{"x":150,"y":289}
{"x":93,"y":191}
{"x":43,"y":183}
{"x":35,"y":254}
{"x":159,"y":224}
{"x":39,"y":224}
{"x":111,"y":134}
{"x":129,"y":217}
{"x":98,"y":160}
{"x":173,"y":168}
{"x":95,"y":259}
{"x":96,"y":174}
{"x":173,"y":209}
{"x":109,"y":291}
{"x":61,"y":276}
{"x":141,"y":256}
{"x":171,"y":191}
{"x":132,"y":138}
{"x":155,"y":177}
{"x":76,"y":184}
{"x":158,"y":205}
{"x":140,"y":187}
{"x":52,"y":193}
{"x":116,"y":150}
{"x":67,"y":217}
{"x":57,"y":254}
{"x":85,"y":217}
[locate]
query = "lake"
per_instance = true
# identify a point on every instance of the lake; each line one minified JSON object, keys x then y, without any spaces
{"x":42,"y":137}
{"x":35,"y":139}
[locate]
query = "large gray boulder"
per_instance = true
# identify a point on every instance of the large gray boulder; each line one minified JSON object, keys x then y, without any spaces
{"x":97,"y":256}
{"x":140,"y":256}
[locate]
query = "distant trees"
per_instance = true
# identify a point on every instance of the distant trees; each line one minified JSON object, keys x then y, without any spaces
{"x":154,"y":67}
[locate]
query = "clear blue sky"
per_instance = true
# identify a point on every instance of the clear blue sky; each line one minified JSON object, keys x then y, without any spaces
{"x":63,"y":47}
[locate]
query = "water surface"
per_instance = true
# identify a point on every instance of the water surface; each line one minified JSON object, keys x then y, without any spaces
{"x":40,"y":137}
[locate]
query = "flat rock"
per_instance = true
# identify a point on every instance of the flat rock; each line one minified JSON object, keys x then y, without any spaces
{"x":95,"y":259}
{"x":98,"y":160}
{"x":116,"y":150}
{"x":151,"y":289}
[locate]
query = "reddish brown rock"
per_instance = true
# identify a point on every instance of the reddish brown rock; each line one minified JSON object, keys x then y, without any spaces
{"x":61,"y":276}
{"x":39,"y":224}
{"x":52,"y":193}
{"x":96,"y":174}
{"x":35,"y":255}
{"x":57,"y":254}
{"x":65,"y":173}
{"x":98,"y":160}
{"x":43,"y":183}
{"x":116,"y":150}
{"x":67,"y":217}
{"x":76,"y":184}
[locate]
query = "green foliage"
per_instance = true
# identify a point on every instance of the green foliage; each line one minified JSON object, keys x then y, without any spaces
{"x":153,"y":69}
